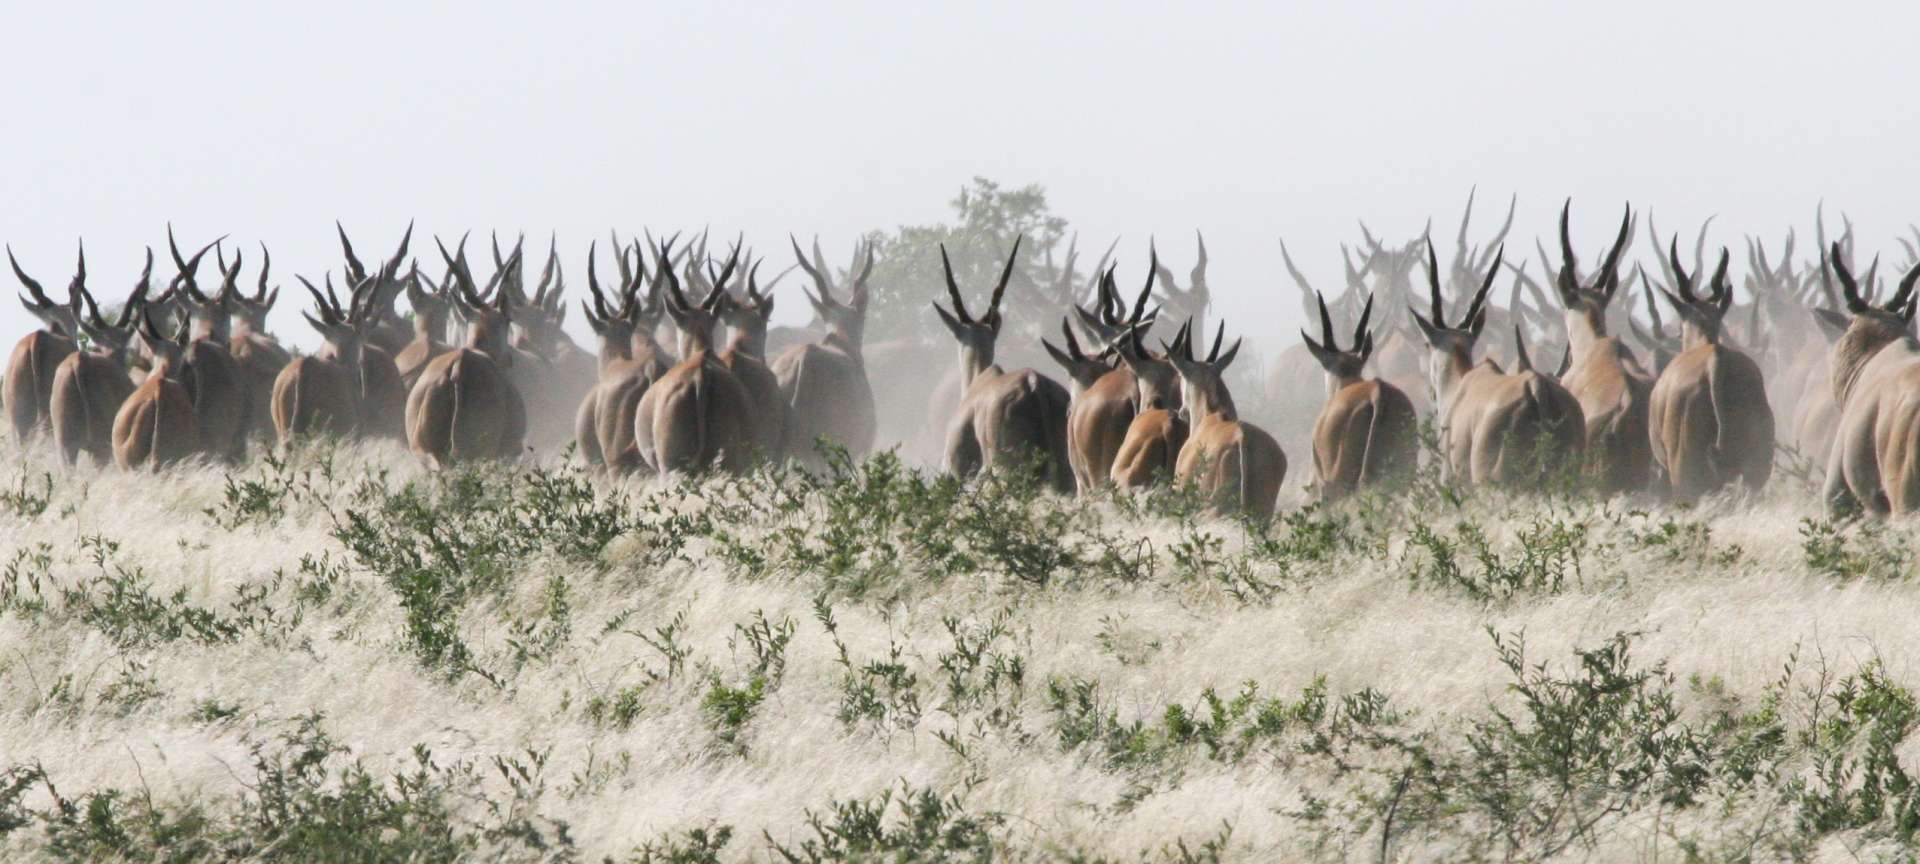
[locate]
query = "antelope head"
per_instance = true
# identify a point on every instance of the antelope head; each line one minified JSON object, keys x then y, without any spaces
{"x":975,"y":335}
{"x":163,"y":356}
{"x":538,"y":321}
{"x":250,"y":313}
{"x":1203,"y":390}
{"x":747,"y":314}
{"x":1871,"y":326}
{"x":616,"y":326}
{"x":1082,"y":369}
{"x":208,"y":317}
{"x":846,"y":320}
{"x":695,"y":321}
{"x":1343,"y":365}
{"x":110,"y":339}
{"x":1700,"y":316}
{"x":60,"y":318}
{"x":1451,"y":344}
{"x":344,"y":330}
{"x":1156,"y":384}
{"x":488,"y":323}
{"x":1108,"y":321}
{"x":1586,"y":304}
{"x":429,"y":304}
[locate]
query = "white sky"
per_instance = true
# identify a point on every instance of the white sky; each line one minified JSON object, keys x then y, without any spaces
{"x":268,"y":121}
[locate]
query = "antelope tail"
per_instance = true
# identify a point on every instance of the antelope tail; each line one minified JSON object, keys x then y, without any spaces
{"x":1716,"y":393}
{"x":1054,"y":439}
{"x":1373,"y":432}
{"x":41,"y":403}
{"x":1241,"y":447}
{"x":700,"y":425}
{"x":86,"y":407}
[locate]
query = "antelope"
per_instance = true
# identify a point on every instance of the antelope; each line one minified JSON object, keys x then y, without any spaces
{"x":1816,"y":416}
{"x":464,"y":406}
{"x":1002,"y":415}
{"x":1088,"y":439}
{"x":328,"y":392}
{"x":1367,"y":434}
{"x":630,"y":362}
{"x":261,"y":357}
{"x":89,"y":386}
{"x":825,"y":382}
{"x":28,"y":387}
{"x":156,"y":425}
{"x":552,"y":372}
{"x":1709,"y":420}
{"x":697,"y":415}
{"x":1491,"y":421}
{"x":222,"y":404}
{"x":1234,"y":463}
{"x":746,"y":358}
{"x":1154,"y":437}
{"x":430,"y":313}
{"x":1103,"y":405}
{"x":1875,"y":460}
{"x":1610,"y":384}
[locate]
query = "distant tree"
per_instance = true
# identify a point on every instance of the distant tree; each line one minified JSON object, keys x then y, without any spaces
{"x":906,"y":273}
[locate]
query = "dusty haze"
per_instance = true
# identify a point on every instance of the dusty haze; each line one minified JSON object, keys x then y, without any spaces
{"x":1139,"y":119}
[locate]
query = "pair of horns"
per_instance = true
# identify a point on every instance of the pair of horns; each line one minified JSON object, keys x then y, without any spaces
{"x":1607,"y":279}
{"x":1856,"y":303}
{"x":1000,"y":290}
{"x":1328,"y":342}
{"x":1474,"y":309}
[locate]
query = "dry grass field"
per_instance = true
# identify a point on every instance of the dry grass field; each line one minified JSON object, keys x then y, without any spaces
{"x":339,"y":656}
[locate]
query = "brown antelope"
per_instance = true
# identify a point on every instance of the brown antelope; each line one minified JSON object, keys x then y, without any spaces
{"x":698,"y":415}
{"x":630,"y":362}
{"x":746,"y":357}
{"x":1089,"y":402}
{"x":1150,"y":448}
{"x":90,"y":385}
{"x":430,"y":317}
{"x":28,"y":387}
{"x":1708,"y":416}
{"x":1493,"y":424}
{"x":222,"y":403}
{"x":464,"y":406}
{"x":825,"y":383}
{"x":1611,"y":385}
{"x":1367,"y":435}
{"x":328,"y":392}
{"x":1875,"y":460}
{"x":261,"y":357}
{"x":156,"y":425}
{"x":1103,"y":408}
{"x":1003,"y":416}
{"x":1234,"y":463}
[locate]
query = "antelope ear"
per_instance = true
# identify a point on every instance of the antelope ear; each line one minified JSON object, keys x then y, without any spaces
{"x":1832,"y":324}
{"x":1227,"y":358}
{"x":1066,"y":362}
{"x":1478,"y":323}
{"x":1426,"y":327}
{"x":1321,"y":355}
{"x":953,"y":325}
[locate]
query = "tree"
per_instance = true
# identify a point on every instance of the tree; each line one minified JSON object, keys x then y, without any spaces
{"x":906,"y":272}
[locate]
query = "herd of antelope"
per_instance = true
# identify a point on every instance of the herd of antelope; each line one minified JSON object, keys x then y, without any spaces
{"x":486,"y":371}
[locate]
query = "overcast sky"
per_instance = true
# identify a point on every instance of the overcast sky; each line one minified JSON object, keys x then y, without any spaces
{"x":267,"y":122}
